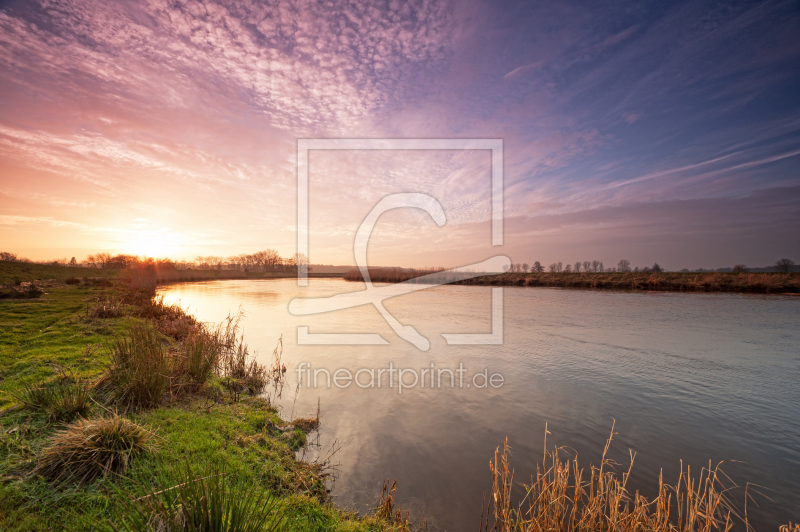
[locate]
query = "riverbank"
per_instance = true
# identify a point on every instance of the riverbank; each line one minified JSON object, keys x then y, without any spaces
{"x":661,"y":281}
{"x":62,"y":359}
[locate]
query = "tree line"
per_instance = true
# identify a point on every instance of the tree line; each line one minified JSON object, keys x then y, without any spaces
{"x":593,"y":266}
{"x":260,"y":261}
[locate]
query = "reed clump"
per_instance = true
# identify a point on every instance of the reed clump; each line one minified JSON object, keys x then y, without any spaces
{"x":563,"y":497}
{"x":92,"y":448}
{"x":169,"y":318}
{"x":139,"y":373}
{"x":237,"y":366}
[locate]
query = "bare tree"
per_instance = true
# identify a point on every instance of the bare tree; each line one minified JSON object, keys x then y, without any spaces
{"x":784,"y":265}
{"x":578,"y":267}
{"x":73,"y":262}
{"x":7,"y":255}
{"x":587,"y":266}
{"x":656,"y":268}
{"x":568,"y":268}
{"x":602,"y":269}
{"x":525,"y":267}
{"x":740,"y":268}
{"x":624,"y":265}
{"x":99,"y":260}
{"x":595,"y":265}
{"x":299,"y":261}
{"x":537,"y":266}
{"x":559,"y":267}
{"x":553,"y":267}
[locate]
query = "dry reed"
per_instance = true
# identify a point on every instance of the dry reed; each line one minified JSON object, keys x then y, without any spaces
{"x":560,"y":498}
{"x":389,"y":511}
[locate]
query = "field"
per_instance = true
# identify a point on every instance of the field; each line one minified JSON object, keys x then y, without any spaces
{"x":13,"y":272}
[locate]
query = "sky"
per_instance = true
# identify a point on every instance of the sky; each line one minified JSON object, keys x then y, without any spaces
{"x":653,"y":131}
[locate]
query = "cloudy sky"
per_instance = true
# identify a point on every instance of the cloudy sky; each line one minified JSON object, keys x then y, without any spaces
{"x":652,"y":131}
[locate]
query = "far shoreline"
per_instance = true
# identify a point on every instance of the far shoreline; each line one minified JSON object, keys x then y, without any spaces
{"x":683,"y":282}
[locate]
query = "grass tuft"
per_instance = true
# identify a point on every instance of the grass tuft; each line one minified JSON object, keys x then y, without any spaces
{"x":91,"y":448}
{"x":61,"y":399}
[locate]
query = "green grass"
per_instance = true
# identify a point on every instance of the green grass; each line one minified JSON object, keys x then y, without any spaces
{"x":246,"y":437}
{"x":35,"y":334}
{"x":12,"y":272}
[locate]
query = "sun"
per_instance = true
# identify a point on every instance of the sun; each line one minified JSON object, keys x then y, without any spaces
{"x":159,"y":243}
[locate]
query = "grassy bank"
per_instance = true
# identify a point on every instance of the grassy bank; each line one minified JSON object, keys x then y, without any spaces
{"x":662,"y":281}
{"x":14,"y":273}
{"x":135,"y":370}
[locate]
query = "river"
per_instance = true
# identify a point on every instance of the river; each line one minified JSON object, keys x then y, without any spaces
{"x":697,"y":377}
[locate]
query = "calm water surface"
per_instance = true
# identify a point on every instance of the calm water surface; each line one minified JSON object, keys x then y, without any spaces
{"x":686,"y":376}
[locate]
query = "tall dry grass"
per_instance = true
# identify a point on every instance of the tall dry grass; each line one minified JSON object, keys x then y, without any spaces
{"x":390,"y":511}
{"x":234,"y":359}
{"x":563,"y":497}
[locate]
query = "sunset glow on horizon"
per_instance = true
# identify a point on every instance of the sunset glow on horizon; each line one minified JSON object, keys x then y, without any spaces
{"x":169,"y":128}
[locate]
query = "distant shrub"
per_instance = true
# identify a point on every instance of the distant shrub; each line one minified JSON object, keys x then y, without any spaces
{"x":29,"y":291}
{"x":740,"y":268}
{"x":107,"y":308}
{"x":91,"y":448}
{"x":72,"y":280}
